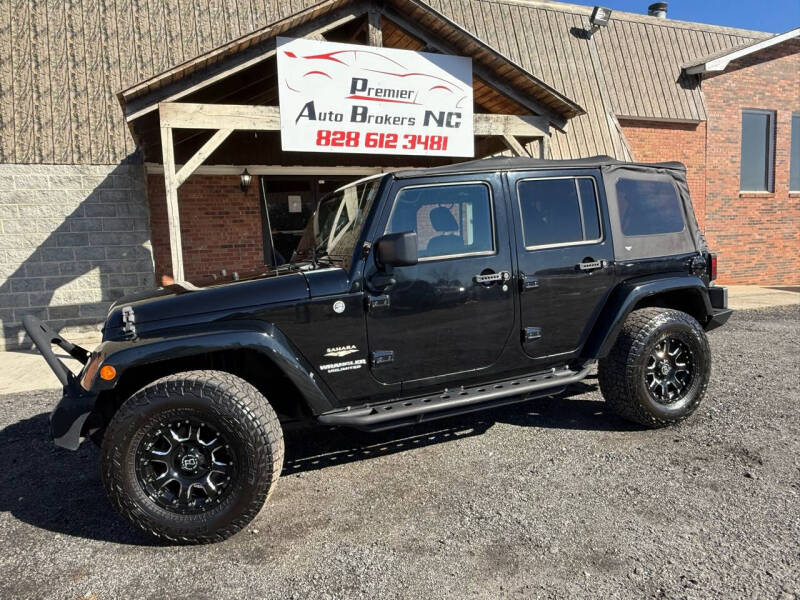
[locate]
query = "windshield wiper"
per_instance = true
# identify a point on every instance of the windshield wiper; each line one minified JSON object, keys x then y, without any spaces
{"x":324,"y":254}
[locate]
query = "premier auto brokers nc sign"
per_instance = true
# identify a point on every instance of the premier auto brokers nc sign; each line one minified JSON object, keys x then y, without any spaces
{"x":362,"y":99}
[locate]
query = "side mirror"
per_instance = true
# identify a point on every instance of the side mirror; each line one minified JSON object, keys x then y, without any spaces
{"x":397,"y":249}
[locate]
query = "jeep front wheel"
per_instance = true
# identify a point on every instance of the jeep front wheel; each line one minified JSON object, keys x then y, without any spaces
{"x":658,"y":370}
{"x":192,"y":457}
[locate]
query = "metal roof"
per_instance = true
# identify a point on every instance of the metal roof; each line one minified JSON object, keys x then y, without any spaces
{"x":62,"y":66}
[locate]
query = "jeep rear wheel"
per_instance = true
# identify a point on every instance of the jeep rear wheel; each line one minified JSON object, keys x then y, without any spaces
{"x":658,"y":370}
{"x":192,"y":457}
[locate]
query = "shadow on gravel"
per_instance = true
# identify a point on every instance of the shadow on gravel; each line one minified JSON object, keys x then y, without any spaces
{"x":309,"y":448}
{"x":60,"y":491}
{"x":56,"y":489}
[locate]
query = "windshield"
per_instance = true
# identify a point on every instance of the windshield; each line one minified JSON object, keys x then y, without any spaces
{"x":332,"y":232}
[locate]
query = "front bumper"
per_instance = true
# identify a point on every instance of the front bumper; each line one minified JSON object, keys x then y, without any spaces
{"x":76,"y":404}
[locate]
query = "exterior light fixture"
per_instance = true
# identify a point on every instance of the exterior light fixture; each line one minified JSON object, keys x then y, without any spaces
{"x":599,"y":18}
{"x":246,"y":178}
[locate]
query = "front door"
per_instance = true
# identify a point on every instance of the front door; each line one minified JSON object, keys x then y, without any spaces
{"x":565,"y":259}
{"x":453,"y":312}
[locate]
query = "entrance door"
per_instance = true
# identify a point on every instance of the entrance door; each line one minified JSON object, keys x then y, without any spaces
{"x":565,"y":259}
{"x":447,"y":314}
{"x":287,"y":204}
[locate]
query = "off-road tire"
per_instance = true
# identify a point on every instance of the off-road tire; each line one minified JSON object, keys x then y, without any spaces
{"x":238,"y":409}
{"x":622,"y":373}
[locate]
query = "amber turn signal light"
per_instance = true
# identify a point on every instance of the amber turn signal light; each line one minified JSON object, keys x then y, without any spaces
{"x":108,"y":372}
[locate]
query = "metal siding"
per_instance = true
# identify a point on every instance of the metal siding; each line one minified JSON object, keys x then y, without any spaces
{"x":64,"y":60}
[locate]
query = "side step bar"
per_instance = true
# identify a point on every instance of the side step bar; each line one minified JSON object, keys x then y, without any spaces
{"x":452,"y":402}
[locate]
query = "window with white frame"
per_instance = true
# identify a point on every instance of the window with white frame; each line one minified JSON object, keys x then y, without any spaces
{"x":794,"y":159}
{"x":758,"y":150}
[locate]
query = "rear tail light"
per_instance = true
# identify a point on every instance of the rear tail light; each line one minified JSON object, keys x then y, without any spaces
{"x":712,"y":270}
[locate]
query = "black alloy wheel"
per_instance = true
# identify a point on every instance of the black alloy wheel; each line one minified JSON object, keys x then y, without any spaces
{"x":185,"y":466}
{"x":670,"y":370}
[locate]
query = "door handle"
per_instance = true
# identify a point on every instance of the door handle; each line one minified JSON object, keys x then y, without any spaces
{"x":492,"y":277}
{"x":592,"y":265}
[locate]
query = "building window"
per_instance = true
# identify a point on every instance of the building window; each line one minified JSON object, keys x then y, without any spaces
{"x":794,"y":168}
{"x":758,"y":150}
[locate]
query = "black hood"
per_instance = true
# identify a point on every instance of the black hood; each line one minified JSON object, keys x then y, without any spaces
{"x":184,"y":300}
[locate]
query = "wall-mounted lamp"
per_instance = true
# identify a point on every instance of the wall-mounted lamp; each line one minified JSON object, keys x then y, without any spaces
{"x":246,"y":178}
{"x":599,"y":18}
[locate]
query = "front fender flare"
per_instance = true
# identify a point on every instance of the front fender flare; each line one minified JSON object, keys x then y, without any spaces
{"x":625,"y":298}
{"x":259,"y":336}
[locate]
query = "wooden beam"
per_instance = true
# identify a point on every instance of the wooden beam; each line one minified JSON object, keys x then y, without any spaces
{"x":219,"y":116}
{"x":255,"y":54}
{"x":188,"y":115}
{"x":201,"y":155}
{"x":520,"y":125}
{"x":173,"y":211}
{"x":374,"y":30}
{"x":514,"y":145}
{"x":544,"y":147}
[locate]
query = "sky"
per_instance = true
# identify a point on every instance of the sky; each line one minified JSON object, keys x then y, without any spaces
{"x":775,"y":16}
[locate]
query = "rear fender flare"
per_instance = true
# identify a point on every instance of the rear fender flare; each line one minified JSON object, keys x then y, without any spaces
{"x":261,"y":337}
{"x":625,"y":298}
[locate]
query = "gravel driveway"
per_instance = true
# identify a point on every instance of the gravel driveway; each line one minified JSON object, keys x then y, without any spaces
{"x":551,"y":498}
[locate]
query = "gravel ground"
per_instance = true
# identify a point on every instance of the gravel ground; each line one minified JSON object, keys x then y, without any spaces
{"x":551,"y":498}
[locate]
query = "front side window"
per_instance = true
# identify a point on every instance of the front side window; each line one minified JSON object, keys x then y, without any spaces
{"x":450,"y":220}
{"x":558,"y":211}
{"x":648,"y":207}
{"x":758,"y":149}
{"x":794,"y":159}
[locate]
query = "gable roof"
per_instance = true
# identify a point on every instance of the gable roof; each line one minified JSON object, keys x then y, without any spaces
{"x":719,"y":61}
{"x":145,"y":95}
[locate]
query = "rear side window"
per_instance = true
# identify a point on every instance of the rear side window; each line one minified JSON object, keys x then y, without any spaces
{"x":558,"y":211}
{"x":450,"y":220}
{"x":648,"y":207}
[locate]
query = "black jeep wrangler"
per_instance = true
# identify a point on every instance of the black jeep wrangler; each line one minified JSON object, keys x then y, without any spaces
{"x":412,"y":296}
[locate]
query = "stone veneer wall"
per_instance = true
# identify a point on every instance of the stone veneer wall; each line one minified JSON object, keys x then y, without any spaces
{"x":72,"y":240}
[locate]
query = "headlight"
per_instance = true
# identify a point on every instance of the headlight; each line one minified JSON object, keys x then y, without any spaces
{"x":90,"y":370}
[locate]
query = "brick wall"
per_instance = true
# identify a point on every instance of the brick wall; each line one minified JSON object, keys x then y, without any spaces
{"x":220,"y":226}
{"x":757,"y":235}
{"x":74,"y":238}
{"x":657,"y":141}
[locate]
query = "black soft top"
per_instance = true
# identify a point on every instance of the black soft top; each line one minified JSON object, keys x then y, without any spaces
{"x":507,"y":163}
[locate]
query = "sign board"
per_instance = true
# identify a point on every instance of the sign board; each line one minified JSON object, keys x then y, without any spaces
{"x":369,"y":100}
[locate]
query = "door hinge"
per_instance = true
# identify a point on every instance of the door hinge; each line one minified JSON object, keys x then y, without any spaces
{"x":381,"y":357}
{"x":128,"y":321}
{"x":374,"y":302}
{"x":530,"y":334}
{"x":528,"y":282}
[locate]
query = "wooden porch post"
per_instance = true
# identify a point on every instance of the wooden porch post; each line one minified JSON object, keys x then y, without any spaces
{"x":173,"y":180}
{"x":173,"y":214}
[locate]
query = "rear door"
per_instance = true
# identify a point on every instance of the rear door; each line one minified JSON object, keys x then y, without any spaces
{"x":565,"y":258}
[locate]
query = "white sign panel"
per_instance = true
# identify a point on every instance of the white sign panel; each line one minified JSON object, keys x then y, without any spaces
{"x":363,"y":99}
